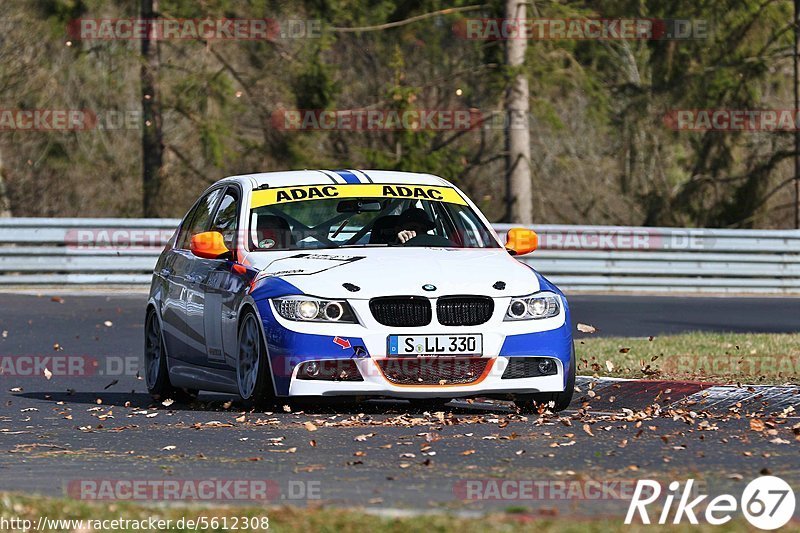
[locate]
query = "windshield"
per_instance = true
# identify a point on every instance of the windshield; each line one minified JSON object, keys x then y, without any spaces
{"x":309,"y":217}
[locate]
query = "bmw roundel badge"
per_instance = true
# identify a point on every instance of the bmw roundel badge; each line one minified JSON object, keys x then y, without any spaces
{"x":428,"y":287}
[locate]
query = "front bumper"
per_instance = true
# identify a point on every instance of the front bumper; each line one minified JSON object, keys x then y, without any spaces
{"x":291,"y":343}
{"x":376,"y":384}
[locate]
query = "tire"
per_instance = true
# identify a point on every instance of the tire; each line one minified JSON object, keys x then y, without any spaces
{"x":530,"y":403}
{"x":155,"y":365}
{"x":253,"y":376}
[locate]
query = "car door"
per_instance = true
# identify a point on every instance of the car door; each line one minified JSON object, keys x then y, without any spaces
{"x":184,"y":275}
{"x":224,"y":285}
{"x":171,"y":269}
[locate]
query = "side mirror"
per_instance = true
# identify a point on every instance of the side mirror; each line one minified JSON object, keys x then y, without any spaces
{"x":209,"y":245}
{"x":521,"y":241}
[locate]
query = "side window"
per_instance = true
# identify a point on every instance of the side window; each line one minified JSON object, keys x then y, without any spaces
{"x":182,"y":240}
{"x":200,"y":219}
{"x":227,"y":217}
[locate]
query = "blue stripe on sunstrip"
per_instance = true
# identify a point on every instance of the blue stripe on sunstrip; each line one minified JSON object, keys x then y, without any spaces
{"x":365,"y":175}
{"x":348,"y":176}
{"x":329,"y":176}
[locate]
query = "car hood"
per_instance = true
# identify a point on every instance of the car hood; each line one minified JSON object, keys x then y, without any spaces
{"x":389,"y":271}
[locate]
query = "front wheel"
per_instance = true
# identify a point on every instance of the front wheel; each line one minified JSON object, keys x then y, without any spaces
{"x":252,"y":367}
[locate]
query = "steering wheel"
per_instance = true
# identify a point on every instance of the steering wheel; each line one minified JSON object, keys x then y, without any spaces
{"x":428,"y":240}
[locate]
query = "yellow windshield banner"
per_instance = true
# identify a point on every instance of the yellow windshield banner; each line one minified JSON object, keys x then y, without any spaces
{"x":300,"y":193}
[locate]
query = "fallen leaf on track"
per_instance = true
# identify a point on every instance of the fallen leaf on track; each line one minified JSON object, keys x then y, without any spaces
{"x":287,"y":450}
{"x":309,"y":468}
{"x":586,"y":328}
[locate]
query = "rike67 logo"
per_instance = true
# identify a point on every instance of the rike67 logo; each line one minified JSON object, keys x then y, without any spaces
{"x":768,"y":502}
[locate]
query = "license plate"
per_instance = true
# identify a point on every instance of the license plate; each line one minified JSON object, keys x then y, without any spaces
{"x":422,"y":345}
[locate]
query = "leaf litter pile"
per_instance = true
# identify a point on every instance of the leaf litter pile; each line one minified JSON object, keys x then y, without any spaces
{"x":531,"y":434}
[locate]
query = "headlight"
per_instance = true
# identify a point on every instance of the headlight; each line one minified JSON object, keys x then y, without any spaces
{"x":534,"y":307}
{"x":310,"y":309}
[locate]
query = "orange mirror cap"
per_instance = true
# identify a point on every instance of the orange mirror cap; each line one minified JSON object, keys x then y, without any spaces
{"x":209,"y":245}
{"x":521,"y":241}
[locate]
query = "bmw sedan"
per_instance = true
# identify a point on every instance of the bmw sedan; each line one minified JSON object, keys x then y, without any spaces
{"x":348,"y":283}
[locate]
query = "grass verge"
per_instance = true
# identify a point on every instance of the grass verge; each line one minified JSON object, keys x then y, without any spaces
{"x":717,"y":357}
{"x":313,"y":519}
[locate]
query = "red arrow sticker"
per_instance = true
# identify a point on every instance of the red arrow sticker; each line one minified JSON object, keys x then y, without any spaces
{"x":344,"y":343}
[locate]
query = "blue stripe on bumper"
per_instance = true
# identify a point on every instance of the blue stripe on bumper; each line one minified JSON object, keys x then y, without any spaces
{"x":287,"y":348}
{"x":554,"y":343}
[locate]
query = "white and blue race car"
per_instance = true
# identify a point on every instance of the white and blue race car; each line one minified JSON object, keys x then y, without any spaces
{"x":353,"y":283}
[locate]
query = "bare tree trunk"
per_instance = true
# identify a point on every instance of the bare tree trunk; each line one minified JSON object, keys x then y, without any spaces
{"x":518,"y":137}
{"x":796,"y":105}
{"x":5,"y":206}
{"x":152,"y":136}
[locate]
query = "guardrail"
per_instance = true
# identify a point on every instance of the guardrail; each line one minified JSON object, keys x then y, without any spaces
{"x":621,"y":258}
{"x":74,"y":251}
{"x":37,"y":251}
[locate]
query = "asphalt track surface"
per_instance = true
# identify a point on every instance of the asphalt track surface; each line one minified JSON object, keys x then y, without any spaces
{"x":101,"y":425}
